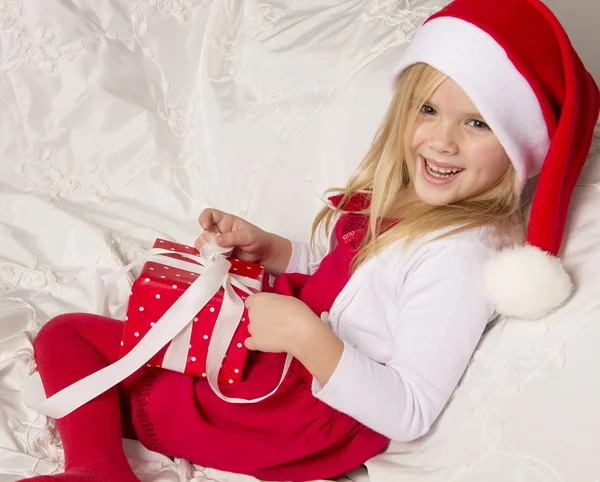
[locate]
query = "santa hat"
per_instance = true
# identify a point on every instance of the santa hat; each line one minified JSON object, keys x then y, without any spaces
{"x":516,"y":63}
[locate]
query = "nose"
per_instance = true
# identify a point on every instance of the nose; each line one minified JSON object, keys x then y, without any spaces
{"x":442,"y":138}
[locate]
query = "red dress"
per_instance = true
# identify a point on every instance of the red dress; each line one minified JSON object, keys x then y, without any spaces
{"x":289,"y":436}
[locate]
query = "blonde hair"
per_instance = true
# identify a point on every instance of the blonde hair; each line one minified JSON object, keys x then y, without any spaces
{"x":384,"y":175}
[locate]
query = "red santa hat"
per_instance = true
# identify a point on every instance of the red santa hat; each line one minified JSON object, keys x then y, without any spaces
{"x":516,"y":63}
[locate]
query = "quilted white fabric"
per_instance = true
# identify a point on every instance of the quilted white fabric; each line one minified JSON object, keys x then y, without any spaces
{"x":120,"y":120}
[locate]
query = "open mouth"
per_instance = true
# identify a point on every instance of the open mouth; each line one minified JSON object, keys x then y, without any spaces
{"x":439,"y":175}
{"x":442,"y":173}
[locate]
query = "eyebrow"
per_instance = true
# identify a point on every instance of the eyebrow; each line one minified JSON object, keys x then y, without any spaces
{"x":476,"y":115}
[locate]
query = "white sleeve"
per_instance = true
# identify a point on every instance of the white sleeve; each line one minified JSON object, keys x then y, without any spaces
{"x":442,"y":314}
{"x":304,"y":258}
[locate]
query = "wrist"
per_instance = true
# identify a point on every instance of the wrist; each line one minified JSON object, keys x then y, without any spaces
{"x":318,"y":349}
{"x":306,"y":332}
{"x":279,"y":253}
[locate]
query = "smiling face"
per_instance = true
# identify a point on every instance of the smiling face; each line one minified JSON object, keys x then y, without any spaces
{"x":453,"y":154}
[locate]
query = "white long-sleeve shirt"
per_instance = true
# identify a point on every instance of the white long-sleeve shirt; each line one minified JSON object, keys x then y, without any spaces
{"x":410,"y":319}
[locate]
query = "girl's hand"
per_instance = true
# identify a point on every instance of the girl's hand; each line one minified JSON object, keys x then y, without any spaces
{"x":249,"y":242}
{"x":278,"y":323}
{"x":285,"y":324}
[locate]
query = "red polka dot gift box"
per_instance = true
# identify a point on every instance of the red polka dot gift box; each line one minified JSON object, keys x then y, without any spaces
{"x":160,"y":284}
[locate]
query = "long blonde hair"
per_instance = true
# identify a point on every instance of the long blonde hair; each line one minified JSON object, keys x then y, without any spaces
{"x":384,"y":175}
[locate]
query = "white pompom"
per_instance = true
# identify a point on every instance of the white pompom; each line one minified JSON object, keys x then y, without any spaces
{"x":526,"y":282}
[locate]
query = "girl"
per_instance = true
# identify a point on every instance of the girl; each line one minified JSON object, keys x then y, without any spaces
{"x":383,"y":322}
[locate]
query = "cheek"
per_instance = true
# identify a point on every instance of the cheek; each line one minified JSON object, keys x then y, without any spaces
{"x":412,"y":147}
{"x":419,"y":135}
{"x":491,"y":160}
{"x":501,"y":165}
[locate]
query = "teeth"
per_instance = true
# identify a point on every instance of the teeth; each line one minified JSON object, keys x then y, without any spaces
{"x":440,"y":171}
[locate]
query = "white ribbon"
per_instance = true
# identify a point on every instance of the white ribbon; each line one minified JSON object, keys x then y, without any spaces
{"x":174,"y":326}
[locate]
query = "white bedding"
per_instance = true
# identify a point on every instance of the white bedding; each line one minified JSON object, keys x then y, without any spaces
{"x":120,"y":120}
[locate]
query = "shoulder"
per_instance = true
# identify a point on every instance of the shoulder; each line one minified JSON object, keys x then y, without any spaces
{"x":450,"y":270}
{"x":451,"y":264}
{"x":473,"y":245}
{"x":477,"y":243}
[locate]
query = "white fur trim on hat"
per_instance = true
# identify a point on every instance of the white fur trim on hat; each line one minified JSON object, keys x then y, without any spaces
{"x":526,"y":282}
{"x":476,"y":62}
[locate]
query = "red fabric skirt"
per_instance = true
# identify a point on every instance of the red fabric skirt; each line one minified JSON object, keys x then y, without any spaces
{"x":289,"y":436}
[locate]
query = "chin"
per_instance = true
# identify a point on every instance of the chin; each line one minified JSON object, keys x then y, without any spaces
{"x":433,"y":199}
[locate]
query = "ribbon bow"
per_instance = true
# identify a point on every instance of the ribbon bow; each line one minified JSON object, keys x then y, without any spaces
{"x":174,"y":326}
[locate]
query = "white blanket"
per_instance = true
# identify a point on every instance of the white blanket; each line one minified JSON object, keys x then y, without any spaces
{"x":120,"y":120}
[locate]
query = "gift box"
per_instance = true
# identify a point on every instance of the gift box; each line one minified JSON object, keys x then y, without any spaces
{"x":159,"y":286}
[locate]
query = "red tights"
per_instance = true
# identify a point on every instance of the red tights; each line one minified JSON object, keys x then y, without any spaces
{"x":69,"y":348}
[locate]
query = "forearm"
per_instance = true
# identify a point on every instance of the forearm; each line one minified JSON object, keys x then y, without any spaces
{"x":379,"y":397}
{"x":354,"y":384}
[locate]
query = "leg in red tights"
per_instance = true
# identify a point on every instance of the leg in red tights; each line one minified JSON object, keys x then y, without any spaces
{"x":68,"y":348}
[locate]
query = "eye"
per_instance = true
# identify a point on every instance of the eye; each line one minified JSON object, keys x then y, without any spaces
{"x":478,"y":124}
{"x":428,"y":110}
